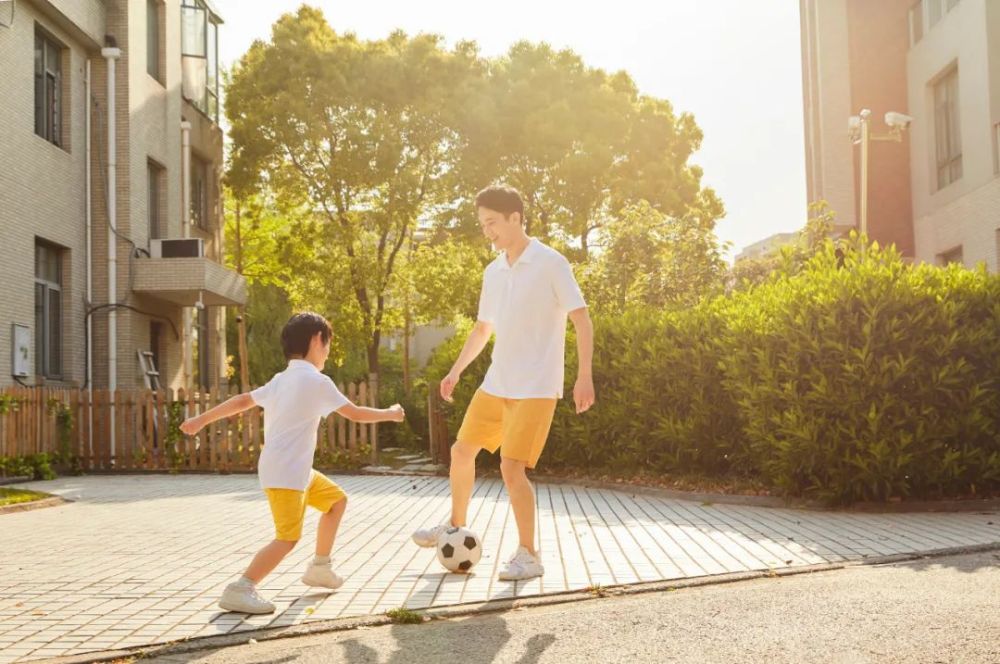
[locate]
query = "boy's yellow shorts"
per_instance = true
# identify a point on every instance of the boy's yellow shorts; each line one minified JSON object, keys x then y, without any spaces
{"x":288,"y":506}
{"x":518,"y":427}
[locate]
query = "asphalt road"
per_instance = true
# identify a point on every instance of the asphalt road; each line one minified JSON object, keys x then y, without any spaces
{"x":931,"y":610}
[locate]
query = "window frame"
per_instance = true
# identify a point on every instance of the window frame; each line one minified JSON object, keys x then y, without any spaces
{"x":48,"y":81}
{"x":155,"y":180}
{"x":204,"y":47}
{"x":49,"y":320}
{"x":946,"y":102}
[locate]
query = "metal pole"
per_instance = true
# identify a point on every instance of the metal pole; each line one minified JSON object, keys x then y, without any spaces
{"x":865,"y":115}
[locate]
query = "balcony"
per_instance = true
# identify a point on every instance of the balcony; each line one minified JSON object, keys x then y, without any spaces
{"x":183,"y":281}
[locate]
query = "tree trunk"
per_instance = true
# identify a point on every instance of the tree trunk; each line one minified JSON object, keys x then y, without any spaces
{"x":406,"y":352}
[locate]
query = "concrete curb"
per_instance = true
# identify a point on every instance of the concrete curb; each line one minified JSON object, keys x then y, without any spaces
{"x":495,"y":606}
{"x":52,"y":501}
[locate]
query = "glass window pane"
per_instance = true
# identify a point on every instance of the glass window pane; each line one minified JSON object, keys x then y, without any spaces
{"x":212,"y":53}
{"x":193,"y":27}
{"x":933,"y":12}
{"x":916,"y":22}
{"x":153,"y":38}
{"x":39,"y":329}
{"x":54,"y":329}
{"x":195,"y":73}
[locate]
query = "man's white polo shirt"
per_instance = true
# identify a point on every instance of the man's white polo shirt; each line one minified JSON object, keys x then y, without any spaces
{"x":527,"y":303}
{"x":293,"y":402}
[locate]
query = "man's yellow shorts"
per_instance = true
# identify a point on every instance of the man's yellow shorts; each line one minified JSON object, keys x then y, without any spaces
{"x":518,"y":427}
{"x":288,"y":506}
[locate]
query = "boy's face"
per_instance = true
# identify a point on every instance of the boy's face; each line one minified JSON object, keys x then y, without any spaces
{"x":319,"y":352}
{"x":500,"y":229}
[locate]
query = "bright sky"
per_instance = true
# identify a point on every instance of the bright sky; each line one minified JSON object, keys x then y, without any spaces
{"x":734,"y":64}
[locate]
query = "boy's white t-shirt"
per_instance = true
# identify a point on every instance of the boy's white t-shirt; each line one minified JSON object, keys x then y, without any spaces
{"x":293,"y":402}
{"x":527,"y":303}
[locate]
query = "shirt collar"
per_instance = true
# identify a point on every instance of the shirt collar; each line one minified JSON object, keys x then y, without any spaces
{"x":301,"y":364}
{"x":526,"y":256}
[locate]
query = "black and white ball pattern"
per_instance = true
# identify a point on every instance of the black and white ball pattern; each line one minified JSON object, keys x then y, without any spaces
{"x":459,"y":549}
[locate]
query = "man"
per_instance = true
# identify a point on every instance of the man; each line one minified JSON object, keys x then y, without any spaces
{"x":528,"y":292}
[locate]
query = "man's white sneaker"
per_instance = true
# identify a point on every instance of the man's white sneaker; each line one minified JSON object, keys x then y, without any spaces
{"x":522,"y":566}
{"x":244,"y":598}
{"x":428,"y":537}
{"x":322,"y":576}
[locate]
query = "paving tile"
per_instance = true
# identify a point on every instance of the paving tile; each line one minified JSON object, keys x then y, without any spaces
{"x":152,"y":554}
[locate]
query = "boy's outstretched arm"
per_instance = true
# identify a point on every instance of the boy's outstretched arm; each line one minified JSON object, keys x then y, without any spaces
{"x":363,"y":414}
{"x":228,"y":408}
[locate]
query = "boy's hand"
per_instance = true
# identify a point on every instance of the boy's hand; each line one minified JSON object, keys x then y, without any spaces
{"x":448,"y":385}
{"x":583,"y":394}
{"x":191,"y":426}
{"x":396,"y":413}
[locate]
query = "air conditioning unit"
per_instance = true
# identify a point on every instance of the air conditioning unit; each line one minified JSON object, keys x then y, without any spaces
{"x":192,"y":247}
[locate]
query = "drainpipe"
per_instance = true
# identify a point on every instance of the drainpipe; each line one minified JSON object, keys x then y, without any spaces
{"x":185,"y":232}
{"x":89,"y":351}
{"x":111,"y":55}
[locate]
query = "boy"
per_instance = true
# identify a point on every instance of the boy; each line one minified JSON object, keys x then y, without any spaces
{"x":528,"y":292}
{"x":293,"y":402}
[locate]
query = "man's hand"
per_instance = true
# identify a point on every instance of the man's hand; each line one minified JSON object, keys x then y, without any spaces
{"x":191,"y":426}
{"x":396,"y":413}
{"x":583,"y":394}
{"x":448,"y":385}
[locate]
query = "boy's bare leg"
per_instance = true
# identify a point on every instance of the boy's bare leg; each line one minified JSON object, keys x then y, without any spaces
{"x":329,"y":522}
{"x":522,"y":500}
{"x":267,"y":559}
{"x":463,"y":476}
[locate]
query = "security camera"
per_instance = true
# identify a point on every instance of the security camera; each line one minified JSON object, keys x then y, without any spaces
{"x":898,"y":120}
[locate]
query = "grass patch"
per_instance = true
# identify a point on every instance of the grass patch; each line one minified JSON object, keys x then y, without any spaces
{"x":10,"y":496}
{"x":403,"y":616}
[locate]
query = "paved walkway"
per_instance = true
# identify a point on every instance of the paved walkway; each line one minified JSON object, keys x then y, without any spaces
{"x":139,"y":560}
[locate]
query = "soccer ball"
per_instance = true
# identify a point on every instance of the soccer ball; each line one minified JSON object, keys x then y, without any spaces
{"x":459,"y":549}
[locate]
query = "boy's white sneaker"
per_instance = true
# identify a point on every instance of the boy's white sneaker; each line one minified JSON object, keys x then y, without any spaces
{"x":244,"y":598}
{"x":321,"y":575}
{"x":428,"y":537}
{"x":522,"y":566}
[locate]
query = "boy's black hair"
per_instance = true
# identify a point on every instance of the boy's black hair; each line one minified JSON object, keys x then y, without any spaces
{"x":299,"y":331}
{"x":501,"y":198}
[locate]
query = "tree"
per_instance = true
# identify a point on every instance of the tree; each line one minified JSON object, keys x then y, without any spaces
{"x":791,"y":258}
{"x":651,"y":260}
{"x":578,"y":143}
{"x":358,"y":133}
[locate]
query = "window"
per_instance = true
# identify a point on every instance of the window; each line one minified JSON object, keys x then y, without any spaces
{"x":200,"y":171}
{"x":155,"y":202}
{"x":951,"y":256}
{"x":947,"y":131}
{"x":153,"y":21}
{"x":155,"y":335}
{"x":996,"y":149}
{"x":48,"y":89}
{"x":934,"y":12}
{"x":916,"y":23}
{"x":200,"y":56}
{"x":48,"y":310}
{"x":927,"y":13}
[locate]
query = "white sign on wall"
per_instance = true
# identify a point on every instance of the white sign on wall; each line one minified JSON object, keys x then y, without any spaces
{"x":21,"y":350}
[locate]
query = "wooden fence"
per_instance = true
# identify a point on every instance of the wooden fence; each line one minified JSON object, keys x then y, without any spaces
{"x":135,"y":430}
{"x":437,"y":426}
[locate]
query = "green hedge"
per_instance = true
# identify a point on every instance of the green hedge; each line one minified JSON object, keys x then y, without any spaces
{"x":863,"y":378}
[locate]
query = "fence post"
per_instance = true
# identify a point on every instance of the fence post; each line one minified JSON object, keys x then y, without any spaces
{"x":373,"y":400}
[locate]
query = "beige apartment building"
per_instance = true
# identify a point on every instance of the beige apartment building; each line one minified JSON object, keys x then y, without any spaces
{"x":109,"y":137}
{"x":935,"y":194}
